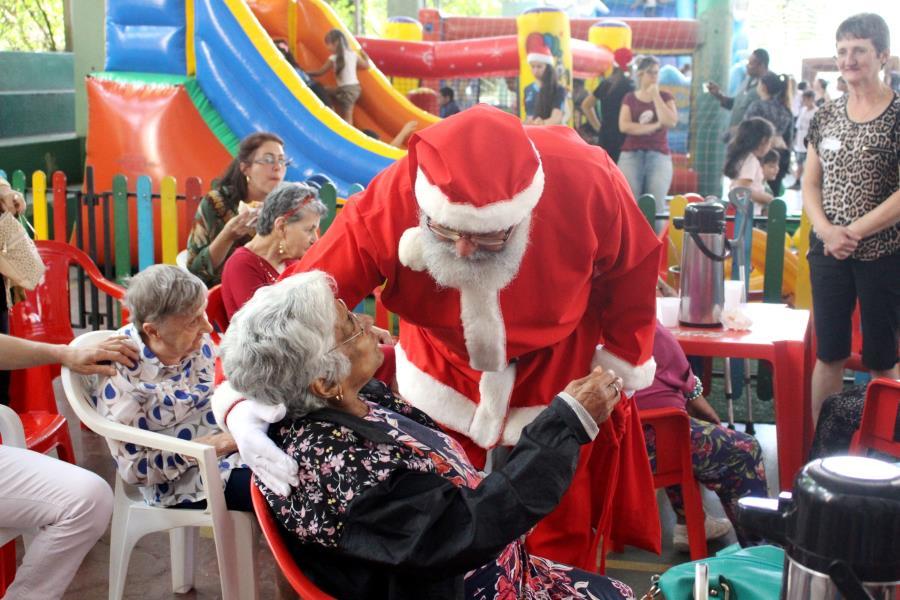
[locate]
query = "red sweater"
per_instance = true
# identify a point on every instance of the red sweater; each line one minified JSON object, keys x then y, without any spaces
{"x":243,"y":274}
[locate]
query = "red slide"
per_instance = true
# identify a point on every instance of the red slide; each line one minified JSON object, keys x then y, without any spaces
{"x":482,"y":57}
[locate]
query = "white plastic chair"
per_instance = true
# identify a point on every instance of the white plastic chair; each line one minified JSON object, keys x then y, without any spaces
{"x":236,"y":533}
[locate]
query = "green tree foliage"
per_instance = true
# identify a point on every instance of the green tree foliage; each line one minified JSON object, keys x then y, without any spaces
{"x":32,"y":25}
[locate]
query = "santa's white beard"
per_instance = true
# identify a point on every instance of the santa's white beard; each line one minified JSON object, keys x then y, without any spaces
{"x":482,"y":269}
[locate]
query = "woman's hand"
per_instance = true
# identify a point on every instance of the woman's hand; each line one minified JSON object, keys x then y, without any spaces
{"x":239,"y":226}
{"x":384,"y":336}
{"x":97,"y":360}
{"x":653,"y":90}
{"x":699,"y":408}
{"x":840,"y":242}
{"x":12,"y":201}
{"x":598,"y":393}
{"x":222,"y":442}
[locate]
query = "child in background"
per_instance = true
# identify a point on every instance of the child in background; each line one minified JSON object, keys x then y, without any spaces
{"x":804,"y":117}
{"x":769,"y":164}
{"x":345,"y":62}
{"x":749,"y":145}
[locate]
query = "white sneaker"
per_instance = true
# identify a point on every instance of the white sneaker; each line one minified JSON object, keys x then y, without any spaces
{"x":715,"y":528}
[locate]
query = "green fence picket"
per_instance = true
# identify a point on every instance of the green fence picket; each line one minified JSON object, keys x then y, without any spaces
{"x":355,"y":189}
{"x":122,"y":228}
{"x":776,"y":226}
{"x":647,"y":204}
{"x":328,"y":196}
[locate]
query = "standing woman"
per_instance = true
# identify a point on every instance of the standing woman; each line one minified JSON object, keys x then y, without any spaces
{"x":851,"y":194}
{"x":774,"y":105}
{"x":219,"y":227}
{"x":645,"y":118}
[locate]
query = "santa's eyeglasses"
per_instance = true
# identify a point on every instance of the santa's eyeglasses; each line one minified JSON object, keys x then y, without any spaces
{"x":492,"y":241}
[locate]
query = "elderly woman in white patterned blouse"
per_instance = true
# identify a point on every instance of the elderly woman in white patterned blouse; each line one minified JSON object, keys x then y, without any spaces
{"x":168,"y":391}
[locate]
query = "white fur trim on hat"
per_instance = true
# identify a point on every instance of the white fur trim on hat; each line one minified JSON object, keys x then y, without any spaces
{"x":409,"y":249}
{"x":634,"y":377}
{"x":540,"y":57}
{"x":499,"y":215}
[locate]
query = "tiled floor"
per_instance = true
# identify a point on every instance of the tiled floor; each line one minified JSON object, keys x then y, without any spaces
{"x":149,"y":573}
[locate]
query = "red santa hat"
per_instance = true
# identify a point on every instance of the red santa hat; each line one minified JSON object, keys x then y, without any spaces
{"x":537,"y":50}
{"x":477,"y":172}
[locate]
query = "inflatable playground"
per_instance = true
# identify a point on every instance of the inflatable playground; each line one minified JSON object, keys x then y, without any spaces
{"x":184,"y":82}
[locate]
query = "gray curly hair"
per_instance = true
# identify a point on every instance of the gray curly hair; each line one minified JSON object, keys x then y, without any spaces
{"x":287,"y":198}
{"x":281,"y":341}
{"x":162,"y":291}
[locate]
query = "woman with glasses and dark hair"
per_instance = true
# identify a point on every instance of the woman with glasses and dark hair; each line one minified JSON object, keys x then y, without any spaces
{"x":222,"y":224}
{"x":286,"y":227}
{"x":385,"y":504}
{"x":851,"y":194}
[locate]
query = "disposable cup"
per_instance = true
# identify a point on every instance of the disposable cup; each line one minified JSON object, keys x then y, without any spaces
{"x":734,"y":294}
{"x":667,"y":311}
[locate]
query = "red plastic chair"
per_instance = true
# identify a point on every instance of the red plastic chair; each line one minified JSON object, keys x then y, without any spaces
{"x":45,"y":316}
{"x":876,"y":428}
{"x":674,"y":467}
{"x":301,"y":584}
{"x":216,"y":313}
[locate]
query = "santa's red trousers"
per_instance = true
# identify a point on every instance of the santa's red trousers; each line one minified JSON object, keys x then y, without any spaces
{"x":611,"y":496}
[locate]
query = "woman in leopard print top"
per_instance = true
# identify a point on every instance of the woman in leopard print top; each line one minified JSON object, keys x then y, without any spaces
{"x":851,"y":194}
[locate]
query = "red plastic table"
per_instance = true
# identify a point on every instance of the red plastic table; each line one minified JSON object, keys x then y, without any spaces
{"x":782,"y":336}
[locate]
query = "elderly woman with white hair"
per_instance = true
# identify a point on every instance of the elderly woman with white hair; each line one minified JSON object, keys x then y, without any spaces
{"x":286,"y":227}
{"x":386,"y":505}
{"x":168,"y":391}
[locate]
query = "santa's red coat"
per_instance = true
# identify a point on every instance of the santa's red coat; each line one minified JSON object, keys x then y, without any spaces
{"x":587,"y":278}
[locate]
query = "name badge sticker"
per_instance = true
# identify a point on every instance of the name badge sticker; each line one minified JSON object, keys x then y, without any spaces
{"x":831,"y":143}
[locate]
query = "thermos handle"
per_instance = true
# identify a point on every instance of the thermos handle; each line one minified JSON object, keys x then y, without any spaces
{"x":847,"y":582}
{"x":707,"y":252}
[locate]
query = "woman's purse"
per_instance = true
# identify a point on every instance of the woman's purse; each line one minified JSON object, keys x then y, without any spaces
{"x":734,"y":573}
{"x":20,"y":262}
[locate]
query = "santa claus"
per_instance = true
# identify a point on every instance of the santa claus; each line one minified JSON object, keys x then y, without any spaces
{"x":516,"y":259}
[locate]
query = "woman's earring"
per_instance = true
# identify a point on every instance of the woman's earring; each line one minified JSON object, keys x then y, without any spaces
{"x":340,"y":395}
{"x":281,"y":248}
{"x":247,"y":177}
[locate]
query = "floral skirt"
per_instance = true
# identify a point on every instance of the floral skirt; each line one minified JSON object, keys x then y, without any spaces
{"x":516,"y":575}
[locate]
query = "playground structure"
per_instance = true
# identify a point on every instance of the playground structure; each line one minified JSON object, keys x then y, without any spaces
{"x":214,"y":72}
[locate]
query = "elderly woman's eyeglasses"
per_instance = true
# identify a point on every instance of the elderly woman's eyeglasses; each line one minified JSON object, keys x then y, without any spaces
{"x":493,"y":240}
{"x":358,"y":327}
{"x":269,"y":160}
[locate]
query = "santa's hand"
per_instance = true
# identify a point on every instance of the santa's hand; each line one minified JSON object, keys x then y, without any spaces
{"x":249,"y":423}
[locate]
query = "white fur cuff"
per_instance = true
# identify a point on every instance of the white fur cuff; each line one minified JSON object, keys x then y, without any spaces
{"x":224,"y":398}
{"x":634,"y":377}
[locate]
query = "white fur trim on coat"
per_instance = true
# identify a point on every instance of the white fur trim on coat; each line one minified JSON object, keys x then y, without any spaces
{"x":490,"y":416}
{"x":223,"y":398}
{"x":499,"y":215}
{"x":409,"y":249}
{"x":634,"y":377}
{"x":486,"y":423}
{"x":483,"y":328}
{"x":518,"y":419}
